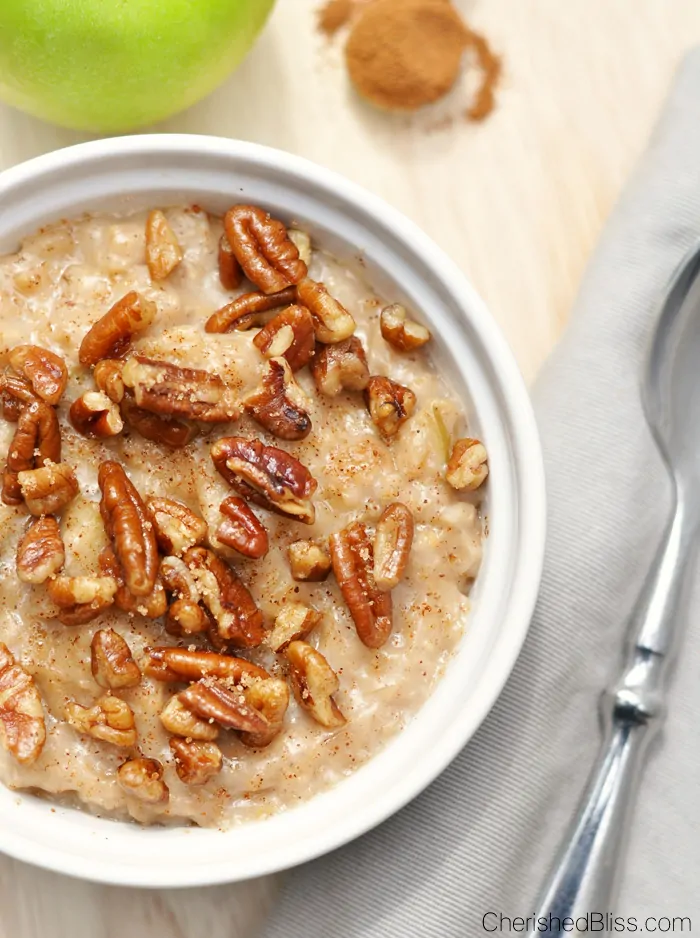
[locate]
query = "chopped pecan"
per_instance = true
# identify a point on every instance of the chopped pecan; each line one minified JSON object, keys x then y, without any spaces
{"x":230,"y":273}
{"x":110,"y":720}
{"x":152,"y":606}
{"x":238,"y":619}
{"x":129,"y":528}
{"x":290,"y":335}
{"x":170,"y":391}
{"x":171,"y":663}
{"x":111,"y":661}
{"x":143,"y":778}
{"x":392,"y":545}
{"x":314,"y":682}
{"x":270,"y":698}
{"x":249,"y":310}
{"x":333,"y":323}
{"x":94,"y":414}
{"x":111,"y":335}
{"x":353,"y":566}
{"x":67,"y":591}
{"x":163,"y":251}
{"x":302,"y":241}
{"x":468,"y":465}
{"x":195,"y":761}
{"x":40,"y":553}
{"x":209,"y":699}
{"x":16,"y":392}
{"x":340,"y":367}
{"x":37,"y":441}
{"x":390,"y":404}
{"x":22,"y":723}
{"x":177,"y":527}
{"x":48,"y":489}
{"x":186,"y":615}
{"x":277,"y":405}
{"x":308,"y":561}
{"x":268,"y":258}
{"x":165,"y":430}
{"x":241,"y":529}
{"x":266,"y":476}
{"x":108,"y":378}
{"x":45,"y":371}
{"x":402,"y":333}
{"x":180,"y":721}
{"x":293,"y":622}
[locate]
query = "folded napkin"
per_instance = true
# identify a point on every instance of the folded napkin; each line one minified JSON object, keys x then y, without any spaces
{"x":483,"y":836}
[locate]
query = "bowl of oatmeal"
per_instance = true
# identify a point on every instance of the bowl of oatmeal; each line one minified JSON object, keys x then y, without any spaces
{"x":272,"y":511}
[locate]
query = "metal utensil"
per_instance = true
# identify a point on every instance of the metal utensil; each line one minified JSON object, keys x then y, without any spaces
{"x":585,"y":877}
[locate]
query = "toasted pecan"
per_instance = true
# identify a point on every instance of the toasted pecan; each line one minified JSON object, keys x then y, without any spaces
{"x":249,"y":310}
{"x":261,"y":245}
{"x":353,"y":566}
{"x":111,"y":335}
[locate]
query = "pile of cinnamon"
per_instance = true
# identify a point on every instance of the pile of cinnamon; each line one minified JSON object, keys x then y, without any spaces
{"x":404,"y":54}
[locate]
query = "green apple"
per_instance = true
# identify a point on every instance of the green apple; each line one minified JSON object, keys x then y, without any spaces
{"x":113,"y":65}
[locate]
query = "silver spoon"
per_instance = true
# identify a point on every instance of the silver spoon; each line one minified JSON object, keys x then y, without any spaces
{"x":585,"y":877}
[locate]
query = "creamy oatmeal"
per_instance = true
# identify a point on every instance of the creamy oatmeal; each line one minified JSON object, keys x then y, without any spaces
{"x":239,"y":521}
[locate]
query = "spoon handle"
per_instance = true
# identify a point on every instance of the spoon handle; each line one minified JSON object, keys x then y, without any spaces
{"x":584,"y":878}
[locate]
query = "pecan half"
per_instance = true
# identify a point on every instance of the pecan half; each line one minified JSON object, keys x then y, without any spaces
{"x":163,"y":251}
{"x":94,"y":414}
{"x":238,"y":619}
{"x":46,"y":372}
{"x":40,"y":553}
{"x":111,"y":335}
{"x":290,"y":335}
{"x":195,"y":761}
{"x":209,"y":699}
{"x":48,"y":489}
{"x":171,"y":663}
{"x":36,"y":441}
{"x":271,"y":699}
{"x":277,"y":405}
{"x":392,"y":545}
{"x":110,"y":720}
{"x":308,"y":561}
{"x":170,"y":391}
{"x":241,"y":529}
{"x":129,"y":528}
{"x":268,"y":258}
{"x":230,"y":273}
{"x":401,"y":333}
{"x":111,"y":661}
{"x":186,"y":615}
{"x":266,"y":476}
{"x":314,"y":682}
{"x":143,"y":778}
{"x":67,"y":591}
{"x":293,"y":622}
{"x":390,"y":404}
{"x":340,"y":367}
{"x":16,"y":393}
{"x":108,"y":378}
{"x":468,"y":465}
{"x":22,"y":722}
{"x":332,"y":321}
{"x":177,"y":527}
{"x":152,"y":606}
{"x":165,"y":430}
{"x":249,"y":310}
{"x":353,"y":566}
{"x":180,"y":721}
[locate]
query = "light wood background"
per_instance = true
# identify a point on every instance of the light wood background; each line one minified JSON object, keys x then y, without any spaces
{"x":518,"y":202}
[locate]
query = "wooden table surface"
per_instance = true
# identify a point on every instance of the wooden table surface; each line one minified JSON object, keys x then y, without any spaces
{"x":518,"y":202}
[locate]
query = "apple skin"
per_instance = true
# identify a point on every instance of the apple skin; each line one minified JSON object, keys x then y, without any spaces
{"x":114,"y":65}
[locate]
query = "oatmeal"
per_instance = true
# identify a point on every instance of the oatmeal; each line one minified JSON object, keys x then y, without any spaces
{"x":239,"y":517}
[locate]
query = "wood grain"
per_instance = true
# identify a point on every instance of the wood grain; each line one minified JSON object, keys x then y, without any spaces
{"x":518,"y":202}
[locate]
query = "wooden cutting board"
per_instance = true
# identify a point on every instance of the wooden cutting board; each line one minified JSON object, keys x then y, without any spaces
{"x":518,"y":202}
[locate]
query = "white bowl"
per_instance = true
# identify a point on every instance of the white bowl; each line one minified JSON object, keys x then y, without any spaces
{"x":405,"y":265}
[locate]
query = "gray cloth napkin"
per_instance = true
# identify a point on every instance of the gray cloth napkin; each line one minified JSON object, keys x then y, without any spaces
{"x":482,"y":837}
